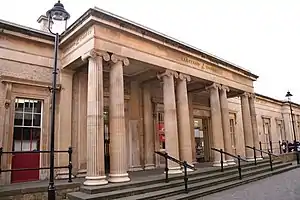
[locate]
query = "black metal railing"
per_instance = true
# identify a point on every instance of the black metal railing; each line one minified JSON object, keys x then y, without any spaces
{"x":261,"y":151}
{"x":238,"y":157}
{"x":69,"y":166}
{"x":273,"y":146}
{"x":181,"y":163}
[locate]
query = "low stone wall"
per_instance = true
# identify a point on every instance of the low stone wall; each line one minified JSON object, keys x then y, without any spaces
{"x":36,"y":192}
{"x":287,"y":157}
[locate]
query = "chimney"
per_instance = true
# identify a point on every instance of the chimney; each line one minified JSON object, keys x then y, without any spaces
{"x":43,"y":21}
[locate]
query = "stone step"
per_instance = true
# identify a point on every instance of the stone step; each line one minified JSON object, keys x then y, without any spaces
{"x":215,"y":173}
{"x":224,"y":186}
{"x":198,"y":185}
{"x":215,"y":178}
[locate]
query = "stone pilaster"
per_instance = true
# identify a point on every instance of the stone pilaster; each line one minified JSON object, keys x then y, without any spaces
{"x":118,"y":145}
{"x":183,"y":114}
{"x":216,"y":120}
{"x":170,"y":118}
{"x":225,"y":124}
{"x":254,"y":123}
{"x":95,"y":122}
{"x":247,"y":126}
{"x":148,"y":128}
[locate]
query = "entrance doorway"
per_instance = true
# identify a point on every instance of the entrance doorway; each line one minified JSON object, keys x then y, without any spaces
{"x":106,"y":140}
{"x":26,"y":138}
{"x":202,"y":146}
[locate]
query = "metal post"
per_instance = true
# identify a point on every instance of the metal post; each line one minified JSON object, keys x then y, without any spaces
{"x":271,"y":146}
{"x":254,"y":153}
{"x":70,"y":166}
{"x":51,"y":187}
{"x":260,"y":148}
{"x":166,"y":168}
{"x":1,"y":152}
{"x":239,"y":167}
{"x":222,"y":167}
{"x":295,"y":144}
{"x":280,"y":148}
{"x":185,"y":177}
{"x":270,"y":157}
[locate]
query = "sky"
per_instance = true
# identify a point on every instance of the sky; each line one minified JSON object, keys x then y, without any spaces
{"x":261,"y":36}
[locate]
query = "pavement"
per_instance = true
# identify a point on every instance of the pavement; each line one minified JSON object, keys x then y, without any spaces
{"x":285,"y":186}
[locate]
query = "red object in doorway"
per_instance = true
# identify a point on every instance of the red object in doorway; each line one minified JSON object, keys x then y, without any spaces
{"x":25,"y":160}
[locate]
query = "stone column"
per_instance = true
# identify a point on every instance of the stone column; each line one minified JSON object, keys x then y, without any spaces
{"x":148,"y":128}
{"x":95,"y":124}
{"x":225,"y":124}
{"x":247,"y":126}
{"x":216,"y":120}
{"x":118,"y":144}
{"x":183,"y":114}
{"x":170,"y":119}
{"x":254,"y":124}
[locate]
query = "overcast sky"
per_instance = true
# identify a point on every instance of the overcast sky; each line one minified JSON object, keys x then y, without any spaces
{"x":261,"y":36}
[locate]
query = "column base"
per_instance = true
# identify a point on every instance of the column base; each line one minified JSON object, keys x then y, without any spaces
{"x":118,"y":178}
{"x":95,"y":180}
{"x":174,"y":170}
{"x":218,"y":164}
{"x":63,"y":174}
{"x":230,"y":162}
{"x":149,"y":166}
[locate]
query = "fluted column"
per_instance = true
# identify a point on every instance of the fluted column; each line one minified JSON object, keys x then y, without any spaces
{"x":216,"y":120}
{"x":95,"y":136}
{"x":247,"y":125}
{"x":118,"y":146}
{"x":185,"y":143}
{"x":148,"y":128}
{"x":170,"y":119}
{"x":254,"y":123}
{"x":225,"y":124}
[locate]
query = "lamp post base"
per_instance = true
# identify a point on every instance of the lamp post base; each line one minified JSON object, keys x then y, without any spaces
{"x":51,"y":193}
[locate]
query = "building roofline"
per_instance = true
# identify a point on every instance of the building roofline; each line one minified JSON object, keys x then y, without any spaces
{"x":97,"y":12}
{"x":277,"y":100}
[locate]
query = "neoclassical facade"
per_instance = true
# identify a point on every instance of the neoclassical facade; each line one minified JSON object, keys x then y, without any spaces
{"x":125,"y":91}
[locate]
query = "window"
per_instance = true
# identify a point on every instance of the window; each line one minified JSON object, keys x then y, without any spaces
{"x":232,"y":133}
{"x":27,"y":124}
{"x":161,"y":130}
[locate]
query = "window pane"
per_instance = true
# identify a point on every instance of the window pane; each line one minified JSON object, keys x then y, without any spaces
{"x":37,"y":106}
{"x":36,"y":120}
{"x":19,"y":105}
{"x":27,"y":119}
{"x":28,"y":105}
{"x":35,"y":146}
{"x":18,"y":119}
{"x":26,"y":134}
{"x":17,"y":144}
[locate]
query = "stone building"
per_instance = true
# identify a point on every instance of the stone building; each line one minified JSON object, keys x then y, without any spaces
{"x":125,"y":91}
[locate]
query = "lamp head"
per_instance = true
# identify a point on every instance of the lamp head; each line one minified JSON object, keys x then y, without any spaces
{"x":58,"y":12}
{"x":288,"y":95}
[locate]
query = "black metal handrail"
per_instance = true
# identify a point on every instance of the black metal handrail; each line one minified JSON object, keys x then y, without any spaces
{"x":69,"y":166}
{"x":238,"y":157}
{"x":261,"y":151}
{"x":181,"y":163}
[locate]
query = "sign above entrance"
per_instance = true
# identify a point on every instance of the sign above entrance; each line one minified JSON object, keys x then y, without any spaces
{"x":200,"y":65}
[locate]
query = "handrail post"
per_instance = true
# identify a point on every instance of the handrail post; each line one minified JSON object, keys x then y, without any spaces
{"x":254,"y":155}
{"x":239,"y":167}
{"x":185,"y":177}
{"x":280,"y":149}
{"x":166,"y":167}
{"x":70,"y":166}
{"x":1,"y":152}
{"x":270,"y":157}
{"x":271,"y":146}
{"x":260,"y":148}
{"x":222,"y":167}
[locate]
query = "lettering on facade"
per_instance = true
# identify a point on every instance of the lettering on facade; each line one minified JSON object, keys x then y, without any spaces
{"x":200,"y":65}
{"x":77,"y":41}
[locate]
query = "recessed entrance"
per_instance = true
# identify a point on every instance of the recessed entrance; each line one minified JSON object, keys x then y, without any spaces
{"x":201,"y":136}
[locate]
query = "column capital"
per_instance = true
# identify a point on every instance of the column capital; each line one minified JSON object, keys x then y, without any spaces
{"x":184,"y":77}
{"x":94,"y":53}
{"x":224,"y":88}
{"x":168,"y":73}
{"x":245,"y":94}
{"x":116,"y":58}
{"x":213,"y":86}
{"x":252,"y":95}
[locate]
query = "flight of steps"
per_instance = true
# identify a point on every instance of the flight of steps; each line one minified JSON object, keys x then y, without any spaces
{"x":200,"y":183}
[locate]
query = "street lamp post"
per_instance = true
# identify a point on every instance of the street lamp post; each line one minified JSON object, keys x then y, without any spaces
{"x":289,"y":95}
{"x":57,"y":13}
